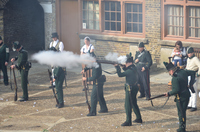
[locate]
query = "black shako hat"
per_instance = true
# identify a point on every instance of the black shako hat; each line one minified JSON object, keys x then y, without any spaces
{"x":141,"y":44}
{"x":0,"y":38}
{"x":16,"y":45}
{"x":129,"y":58}
{"x":190,"y":50}
{"x":169,"y":66}
{"x":54,"y":35}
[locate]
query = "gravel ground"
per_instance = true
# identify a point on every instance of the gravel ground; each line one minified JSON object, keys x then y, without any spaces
{"x":39,"y":114}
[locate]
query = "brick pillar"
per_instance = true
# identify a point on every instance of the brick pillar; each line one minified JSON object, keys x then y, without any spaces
{"x":153,"y":27}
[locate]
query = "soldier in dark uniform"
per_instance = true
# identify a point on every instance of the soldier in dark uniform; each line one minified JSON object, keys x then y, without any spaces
{"x":143,"y":62}
{"x":181,"y":92}
{"x":131,"y":90}
{"x":97,"y":91}
{"x":4,"y":58}
{"x":59,"y":76}
{"x":23,"y":66}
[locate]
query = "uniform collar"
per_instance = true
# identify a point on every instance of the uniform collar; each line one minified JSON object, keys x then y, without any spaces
{"x":192,"y":56}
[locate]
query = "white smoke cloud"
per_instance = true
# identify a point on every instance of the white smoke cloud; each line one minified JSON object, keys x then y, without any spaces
{"x":64,"y":59}
{"x":114,"y":57}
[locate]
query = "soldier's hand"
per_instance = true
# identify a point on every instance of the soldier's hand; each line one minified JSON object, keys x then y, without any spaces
{"x":143,"y":69}
{"x":12,"y":60}
{"x":12,"y":66}
{"x":6,"y":63}
{"x":166,"y":94}
{"x":137,"y":60}
{"x":115,"y":64}
{"x":84,"y":78}
{"x":82,"y":71}
{"x":54,"y":80}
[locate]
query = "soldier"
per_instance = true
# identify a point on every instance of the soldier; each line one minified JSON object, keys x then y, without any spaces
{"x":59,"y":76}
{"x":193,"y":66}
{"x":181,"y":92}
{"x":143,"y":62}
{"x":23,"y":66}
{"x":4,"y":58}
{"x":55,"y":45}
{"x":97,"y":91}
{"x":131,"y":90}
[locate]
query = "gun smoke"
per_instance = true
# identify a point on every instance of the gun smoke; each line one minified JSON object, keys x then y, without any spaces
{"x":64,"y":59}
{"x":114,"y":57}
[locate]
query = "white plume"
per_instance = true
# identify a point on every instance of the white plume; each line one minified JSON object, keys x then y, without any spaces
{"x":64,"y":59}
{"x":114,"y":57}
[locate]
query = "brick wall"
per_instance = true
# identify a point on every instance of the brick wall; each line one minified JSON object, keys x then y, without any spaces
{"x":50,"y":21}
{"x":153,"y":27}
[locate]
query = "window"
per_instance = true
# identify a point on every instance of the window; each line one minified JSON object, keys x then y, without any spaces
{"x":181,"y":20}
{"x":134,"y":18}
{"x":124,"y":18}
{"x":90,"y":15}
{"x":194,"y":22}
{"x":112,"y":16}
{"x":175,"y":20}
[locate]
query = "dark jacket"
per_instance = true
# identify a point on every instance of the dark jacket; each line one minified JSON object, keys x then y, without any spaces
{"x":144,"y":58}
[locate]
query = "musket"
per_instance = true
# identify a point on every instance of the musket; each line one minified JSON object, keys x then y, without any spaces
{"x":108,"y":62}
{"x":86,"y":97}
{"x":158,"y":96}
{"x":11,"y":79}
{"x":54,"y":94}
{"x":14,"y":77}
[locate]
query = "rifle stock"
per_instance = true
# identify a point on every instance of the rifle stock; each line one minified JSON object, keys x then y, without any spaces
{"x":158,"y":96}
{"x":85,"y":87}
{"x":54,"y":94}
{"x":15,"y":81}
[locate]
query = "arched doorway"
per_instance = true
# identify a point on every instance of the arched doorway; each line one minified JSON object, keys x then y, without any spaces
{"x":24,"y":21}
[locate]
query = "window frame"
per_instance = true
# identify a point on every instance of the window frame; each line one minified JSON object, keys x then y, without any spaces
{"x":186,"y":5}
{"x":123,"y":19}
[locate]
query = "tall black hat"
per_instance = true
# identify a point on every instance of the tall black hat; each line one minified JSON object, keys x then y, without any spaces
{"x":16,"y":45}
{"x":141,"y":44}
{"x":129,"y":58}
{"x":0,"y":38}
{"x":54,"y":35}
{"x":169,"y":66}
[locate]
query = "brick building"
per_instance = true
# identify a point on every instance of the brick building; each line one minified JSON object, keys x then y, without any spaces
{"x":112,"y":25}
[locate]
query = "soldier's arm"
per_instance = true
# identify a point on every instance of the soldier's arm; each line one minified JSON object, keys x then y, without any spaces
{"x":7,"y":54}
{"x":149,"y":60}
{"x":23,"y":60}
{"x":121,"y":74}
{"x":175,"y":87}
{"x":95,"y":74}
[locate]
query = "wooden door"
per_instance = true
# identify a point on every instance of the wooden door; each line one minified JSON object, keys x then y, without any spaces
{"x":67,"y":24}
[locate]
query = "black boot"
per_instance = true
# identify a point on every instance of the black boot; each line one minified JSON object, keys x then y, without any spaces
{"x":138,"y":121}
{"x":141,"y":96}
{"x":60,"y":105}
{"x":91,"y":114}
{"x":23,"y":99}
{"x":103,"y":111}
{"x":126,"y":124}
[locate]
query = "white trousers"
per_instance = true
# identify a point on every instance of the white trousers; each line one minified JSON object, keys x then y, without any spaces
{"x":193,"y":99}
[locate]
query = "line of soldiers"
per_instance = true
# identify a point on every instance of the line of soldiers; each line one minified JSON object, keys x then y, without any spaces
{"x":136,"y":71}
